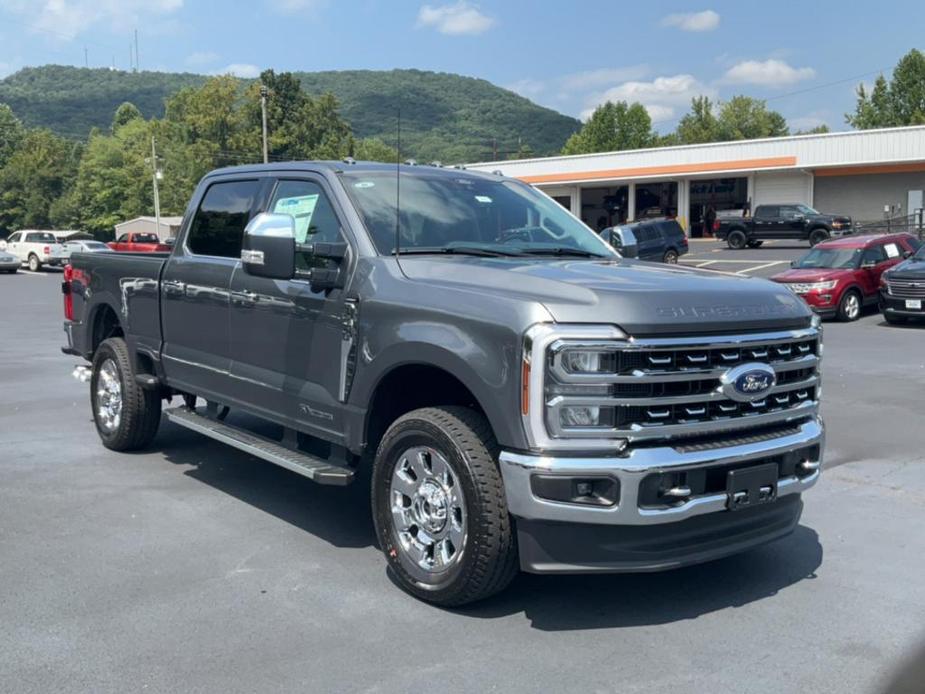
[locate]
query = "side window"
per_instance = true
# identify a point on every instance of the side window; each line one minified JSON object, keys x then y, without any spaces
{"x":913,"y":243}
{"x":767,"y":212}
{"x":218,"y":227}
{"x":789,"y":212}
{"x":315,"y":220}
{"x":873,"y":255}
{"x":122,"y":239}
{"x":14,"y":238}
{"x":892,"y":250}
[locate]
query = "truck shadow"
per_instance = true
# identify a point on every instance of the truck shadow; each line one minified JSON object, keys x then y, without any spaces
{"x":580,"y":602}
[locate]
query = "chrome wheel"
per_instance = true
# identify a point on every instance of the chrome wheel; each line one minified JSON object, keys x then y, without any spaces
{"x":109,"y":396}
{"x":852,"y":306}
{"x":428,"y":510}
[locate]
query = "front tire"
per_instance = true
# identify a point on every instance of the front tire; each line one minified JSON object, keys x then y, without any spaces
{"x":34,"y":263}
{"x":849,"y":308}
{"x":126,"y":415}
{"x":736,"y":240}
{"x":817,"y":236}
{"x":439,"y":507}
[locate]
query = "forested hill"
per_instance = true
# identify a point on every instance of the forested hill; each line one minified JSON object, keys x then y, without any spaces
{"x":444,"y":116}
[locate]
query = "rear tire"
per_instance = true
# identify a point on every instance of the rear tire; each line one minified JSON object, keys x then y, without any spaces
{"x":849,"y":308}
{"x":671,"y":257}
{"x":439,"y":507}
{"x":817,"y":236}
{"x":34,"y":263}
{"x":736,"y":240}
{"x":126,"y":415}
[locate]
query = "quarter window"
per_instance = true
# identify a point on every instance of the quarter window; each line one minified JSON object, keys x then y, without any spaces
{"x":218,"y":227}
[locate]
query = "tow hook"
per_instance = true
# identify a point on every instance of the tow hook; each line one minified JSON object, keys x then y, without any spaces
{"x":82,"y":373}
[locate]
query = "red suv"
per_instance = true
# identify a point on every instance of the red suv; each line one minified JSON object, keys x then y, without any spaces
{"x":836,"y":278}
{"x":139,"y":242}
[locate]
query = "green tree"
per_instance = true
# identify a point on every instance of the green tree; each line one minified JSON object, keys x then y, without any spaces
{"x":874,"y":110}
{"x":35,"y":176}
{"x":745,"y":118}
{"x":700,"y":125}
{"x":613,"y":127}
{"x":895,"y":102}
{"x":817,"y":130}
{"x":11,"y":133}
{"x":126,"y":113}
{"x":374,"y":149}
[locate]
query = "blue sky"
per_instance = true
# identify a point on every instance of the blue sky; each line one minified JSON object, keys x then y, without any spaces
{"x":805,"y":59}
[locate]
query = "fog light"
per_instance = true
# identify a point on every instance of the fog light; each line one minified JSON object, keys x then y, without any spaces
{"x":580,"y":416}
{"x":591,"y":491}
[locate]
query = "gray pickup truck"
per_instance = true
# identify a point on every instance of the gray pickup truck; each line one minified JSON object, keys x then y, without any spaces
{"x":516,"y":394}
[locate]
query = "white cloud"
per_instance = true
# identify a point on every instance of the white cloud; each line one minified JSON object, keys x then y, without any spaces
{"x":595,"y":79}
{"x":458,"y":18}
{"x":200,"y":58}
{"x":662,"y":96}
{"x":767,"y":73}
{"x":68,"y":18}
{"x":707,"y":20}
{"x":242,"y":70}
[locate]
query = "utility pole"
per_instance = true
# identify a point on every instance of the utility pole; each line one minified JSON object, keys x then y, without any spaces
{"x":136,"y":50}
{"x":86,"y":58}
{"x":263,"y":112}
{"x":157,"y":197}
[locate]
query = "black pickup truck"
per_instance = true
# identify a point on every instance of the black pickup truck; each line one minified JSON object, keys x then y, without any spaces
{"x":794,"y":221}
{"x":515,"y":393}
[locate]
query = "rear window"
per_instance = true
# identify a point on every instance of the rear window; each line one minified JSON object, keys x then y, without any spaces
{"x":40,"y":237}
{"x":146,"y":238}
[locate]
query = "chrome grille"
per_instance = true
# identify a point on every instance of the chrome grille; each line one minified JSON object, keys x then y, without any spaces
{"x":670,"y":387}
{"x":906,"y":289}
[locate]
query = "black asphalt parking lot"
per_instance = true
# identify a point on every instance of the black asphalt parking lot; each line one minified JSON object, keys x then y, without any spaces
{"x":193,"y":567}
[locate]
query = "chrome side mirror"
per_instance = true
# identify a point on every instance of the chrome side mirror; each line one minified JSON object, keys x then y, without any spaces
{"x":269,"y":246}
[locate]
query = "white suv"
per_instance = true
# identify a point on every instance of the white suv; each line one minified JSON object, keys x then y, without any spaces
{"x":35,"y":248}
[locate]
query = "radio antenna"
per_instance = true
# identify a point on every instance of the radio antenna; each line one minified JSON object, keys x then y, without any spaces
{"x":398,"y":188}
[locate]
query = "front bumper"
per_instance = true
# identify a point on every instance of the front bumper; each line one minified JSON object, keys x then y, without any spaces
{"x":540,"y":518}
{"x":897,"y":307}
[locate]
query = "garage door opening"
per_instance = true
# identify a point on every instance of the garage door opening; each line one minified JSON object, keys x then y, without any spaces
{"x":720,"y":194}
{"x":656,"y":200}
{"x":604,"y":207}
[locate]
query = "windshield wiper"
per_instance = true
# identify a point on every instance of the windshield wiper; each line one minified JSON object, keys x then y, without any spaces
{"x":561,"y":250}
{"x":460,"y":250}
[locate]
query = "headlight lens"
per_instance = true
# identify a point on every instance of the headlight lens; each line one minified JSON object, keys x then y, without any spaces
{"x":588,"y":361}
{"x":807,"y":287}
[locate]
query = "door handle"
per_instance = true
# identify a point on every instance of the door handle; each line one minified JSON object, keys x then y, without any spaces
{"x":173,"y":288}
{"x":245,"y":297}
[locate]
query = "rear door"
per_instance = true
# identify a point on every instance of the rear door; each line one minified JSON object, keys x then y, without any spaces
{"x":287,"y":338}
{"x":874,"y":261}
{"x":196,"y":282}
{"x":767,"y":222}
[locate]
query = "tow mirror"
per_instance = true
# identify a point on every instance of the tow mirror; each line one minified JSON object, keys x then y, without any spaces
{"x":624,"y":240}
{"x":269,"y":246}
{"x":793,"y":263}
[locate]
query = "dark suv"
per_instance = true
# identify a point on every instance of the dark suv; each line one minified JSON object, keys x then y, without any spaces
{"x":660,"y":240}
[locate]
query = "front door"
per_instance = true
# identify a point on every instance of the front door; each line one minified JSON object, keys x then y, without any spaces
{"x":792,"y":221}
{"x":288,"y":340}
{"x":195,"y":289}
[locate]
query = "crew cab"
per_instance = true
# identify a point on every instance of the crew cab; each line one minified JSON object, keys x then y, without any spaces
{"x":36,"y":249}
{"x":838,"y":278}
{"x":794,"y":221}
{"x":902,"y":288}
{"x":518,"y":394}
{"x":138,"y":242}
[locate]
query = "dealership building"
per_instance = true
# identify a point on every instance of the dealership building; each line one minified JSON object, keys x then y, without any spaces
{"x":868,"y":174}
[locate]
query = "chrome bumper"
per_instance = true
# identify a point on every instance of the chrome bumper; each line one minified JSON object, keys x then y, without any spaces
{"x":517,"y":469}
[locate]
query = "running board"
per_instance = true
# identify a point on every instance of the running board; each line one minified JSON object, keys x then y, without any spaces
{"x":316,"y":469}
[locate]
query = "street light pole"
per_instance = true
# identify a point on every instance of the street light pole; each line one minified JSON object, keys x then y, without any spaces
{"x":263,"y":112}
{"x":157,"y":197}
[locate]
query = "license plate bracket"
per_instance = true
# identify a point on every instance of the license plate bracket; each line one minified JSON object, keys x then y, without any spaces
{"x":914,"y":304}
{"x":751,"y":486}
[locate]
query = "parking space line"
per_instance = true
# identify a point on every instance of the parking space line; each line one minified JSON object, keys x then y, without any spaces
{"x":762,"y":267}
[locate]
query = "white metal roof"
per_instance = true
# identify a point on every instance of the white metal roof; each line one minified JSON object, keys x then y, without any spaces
{"x":841,"y":149}
{"x":165,"y":221}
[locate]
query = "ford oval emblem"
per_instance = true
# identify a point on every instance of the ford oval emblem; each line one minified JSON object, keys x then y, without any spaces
{"x":748,"y":382}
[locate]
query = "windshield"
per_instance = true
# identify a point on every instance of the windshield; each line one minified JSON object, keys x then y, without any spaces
{"x":830,"y":258}
{"x":452,"y":214}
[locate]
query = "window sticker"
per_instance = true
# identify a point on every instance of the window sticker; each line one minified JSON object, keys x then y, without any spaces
{"x":483,"y":198}
{"x":301,"y":208}
{"x":363,"y":184}
{"x":892,"y":251}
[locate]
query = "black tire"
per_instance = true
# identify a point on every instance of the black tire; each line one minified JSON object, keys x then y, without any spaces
{"x":894,"y":320}
{"x":34,"y":263}
{"x":488,"y":560}
{"x":736,"y":240}
{"x":140,"y":411}
{"x":671,"y":257}
{"x":850,"y":306}
{"x":817,"y":236}
{"x":755,"y":244}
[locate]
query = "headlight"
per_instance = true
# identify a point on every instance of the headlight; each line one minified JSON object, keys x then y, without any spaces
{"x":885,"y":283}
{"x":565,"y":386}
{"x":807,"y":287}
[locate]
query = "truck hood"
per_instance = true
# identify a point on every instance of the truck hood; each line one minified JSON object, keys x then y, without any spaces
{"x":806,"y":275}
{"x":642,"y":298}
{"x":910,"y":269}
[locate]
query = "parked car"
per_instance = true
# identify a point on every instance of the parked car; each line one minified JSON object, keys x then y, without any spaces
{"x":139,"y":242}
{"x":36,"y":249}
{"x":9,"y":262}
{"x":661,"y":240}
{"x":902,"y":289}
{"x":839,"y":277}
{"x":84,"y":246}
{"x":521,"y":395}
{"x":794,"y":221}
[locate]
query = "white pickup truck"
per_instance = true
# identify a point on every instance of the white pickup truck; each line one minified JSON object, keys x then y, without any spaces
{"x":36,"y":249}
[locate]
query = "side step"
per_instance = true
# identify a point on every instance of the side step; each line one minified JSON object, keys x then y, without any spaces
{"x":316,"y":469}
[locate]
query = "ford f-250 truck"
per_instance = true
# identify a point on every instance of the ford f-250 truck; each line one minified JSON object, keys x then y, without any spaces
{"x":520,"y":395}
